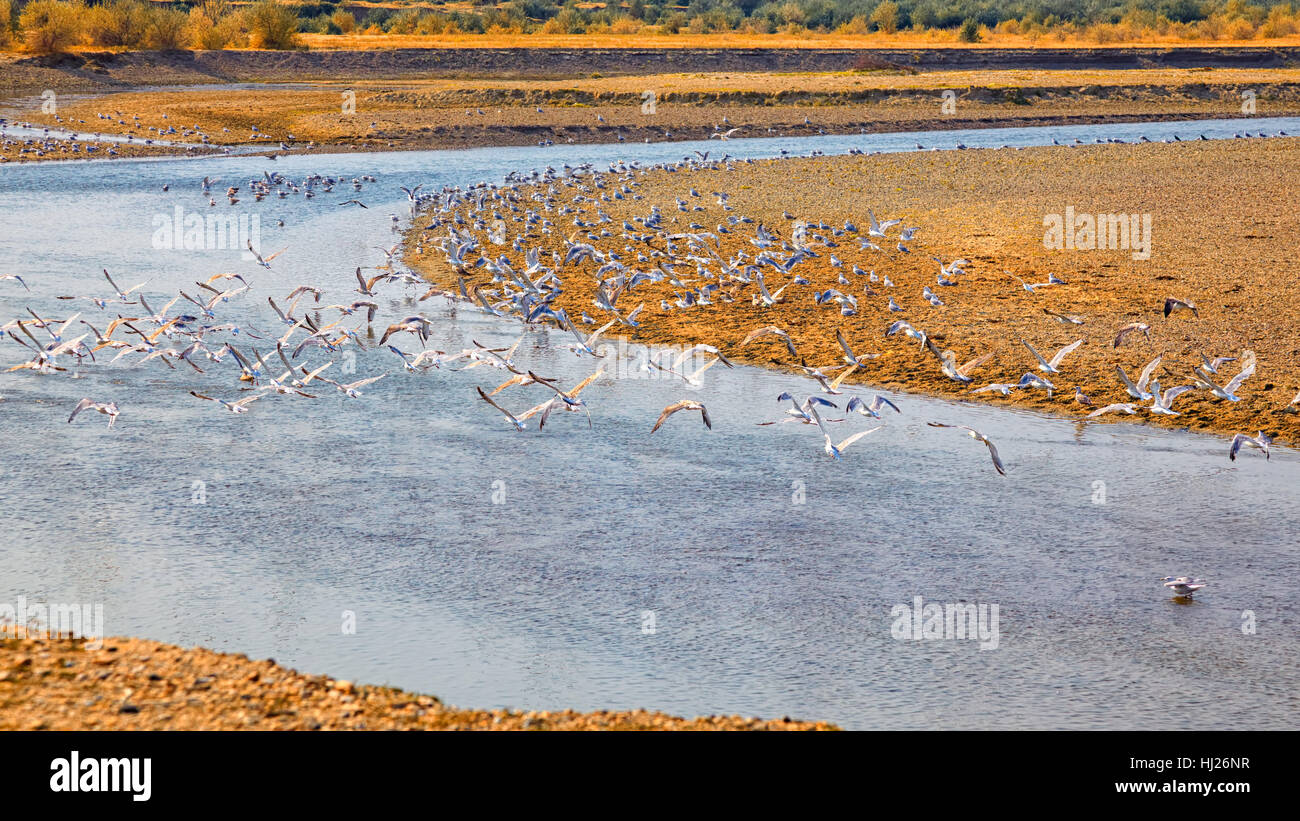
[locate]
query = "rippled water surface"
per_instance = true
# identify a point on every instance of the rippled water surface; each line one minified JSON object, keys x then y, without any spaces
{"x":761,"y":605}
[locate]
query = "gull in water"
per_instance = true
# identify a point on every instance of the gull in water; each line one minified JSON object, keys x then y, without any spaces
{"x":685,"y":404}
{"x":978,"y":437}
{"x":110,"y":410}
{"x":1183,"y":586}
{"x":1261,"y":441}
{"x":1139,"y":391}
{"x":1053,"y":365}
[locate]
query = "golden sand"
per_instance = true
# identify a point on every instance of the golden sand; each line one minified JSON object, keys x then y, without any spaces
{"x":1223,"y":227}
{"x":136,"y":684}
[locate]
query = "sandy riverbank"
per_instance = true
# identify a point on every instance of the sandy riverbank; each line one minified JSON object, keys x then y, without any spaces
{"x":1221,"y":238}
{"x":136,"y":684}
{"x":358,"y":112}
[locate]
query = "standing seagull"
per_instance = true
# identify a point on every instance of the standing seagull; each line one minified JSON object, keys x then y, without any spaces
{"x":1183,"y":586}
{"x":110,"y":410}
{"x":978,"y":437}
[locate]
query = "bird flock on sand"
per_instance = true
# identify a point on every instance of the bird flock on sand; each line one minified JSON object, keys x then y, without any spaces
{"x":470,"y":229}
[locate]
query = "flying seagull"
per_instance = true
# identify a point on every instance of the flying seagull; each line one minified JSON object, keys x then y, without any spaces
{"x":978,"y":437}
{"x":1261,"y":441}
{"x":1053,"y":365}
{"x":685,"y":404}
{"x":110,"y":410}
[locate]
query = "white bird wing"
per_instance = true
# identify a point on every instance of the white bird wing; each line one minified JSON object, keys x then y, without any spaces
{"x":1245,"y":374}
{"x":855,"y":437}
{"x":1150,"y":369}
{"x":1062,"y":353}
{"x":1036,"y":354}
{"x":81,"y":406}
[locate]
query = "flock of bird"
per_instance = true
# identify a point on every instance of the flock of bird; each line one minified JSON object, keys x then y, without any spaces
{"x":521,"y":273}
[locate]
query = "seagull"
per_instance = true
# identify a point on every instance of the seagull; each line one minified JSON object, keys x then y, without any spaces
{"x":110,"y":410}
{"x":350,"y":390}
{"x":1213,"y":365}
{"x":850,"y":357}
{"x":265,"y":262}
{"x":240,"y":406}
{"x":1081,"y":397}
{"x":122,"y":295}
{"x":1161,"y":402}
{"x":978,"y":437}
{"x":1130,"y":328}
{"x":1064,"y":319}
{"x":685,"y":404}
{"x":1173,"y":305}
{"x":831,"y":448}
{"x":1053,"y":365}
{"x":1126,"y":407}
{"x":724,"y":135}
{"x":14,"y":277}
{"x":693,"y":378}
{"x":948,"y":363}
{"x":800,"y":412}
{"x":1139,"y":391}
{"x":1228,"y":391}
{"x":1261,"y":441}
{"x":771,"y":330}
{"x":1033,"y":380}
{"x":872,"y":410}
{"x":1183,"y":586}
{"x":519,"y":425}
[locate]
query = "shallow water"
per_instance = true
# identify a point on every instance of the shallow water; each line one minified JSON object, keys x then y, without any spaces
{"x":770,"y":569}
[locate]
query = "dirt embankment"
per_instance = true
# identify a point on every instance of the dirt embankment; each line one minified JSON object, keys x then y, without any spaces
{"x":136,"y":684}
{"x":88,"y":71}
{"x":1221,"y":234}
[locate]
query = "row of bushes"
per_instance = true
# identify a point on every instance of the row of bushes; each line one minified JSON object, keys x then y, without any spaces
{"x":46,"y":26}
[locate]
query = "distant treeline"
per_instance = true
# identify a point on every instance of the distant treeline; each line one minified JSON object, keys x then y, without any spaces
{"x":50,"y":25}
